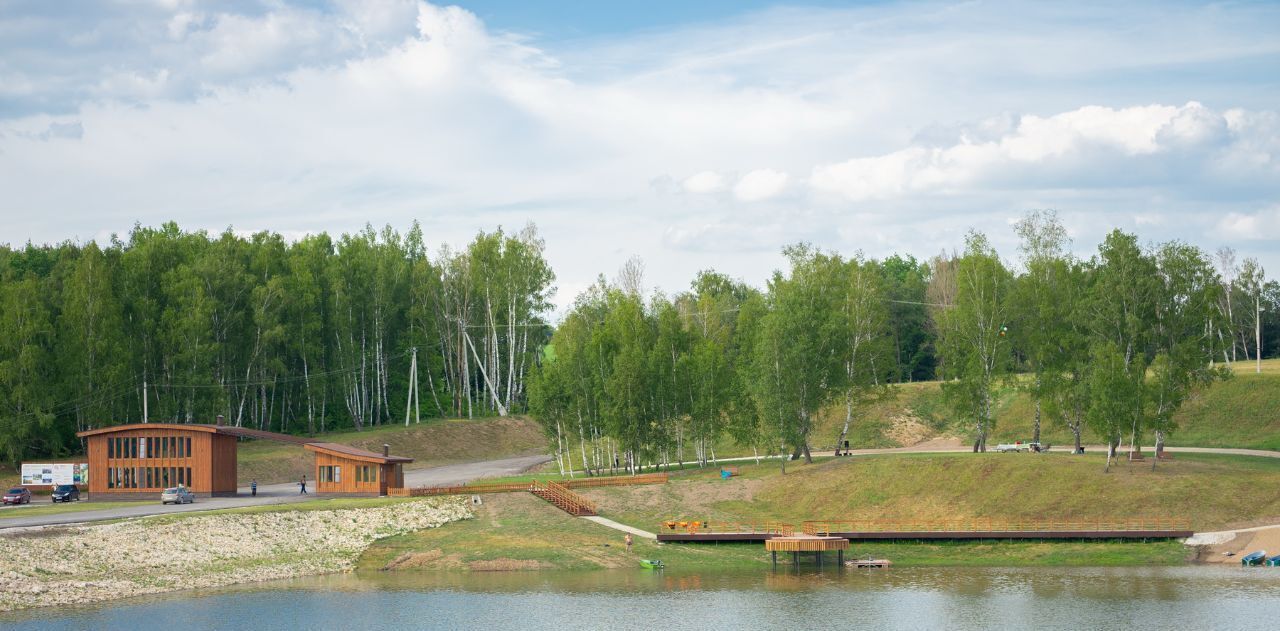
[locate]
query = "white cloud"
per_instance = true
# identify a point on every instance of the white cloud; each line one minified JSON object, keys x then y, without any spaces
{"x":703,"y":182}
{"x":1263,"y":225}
{"x":1134,"y":146}
{"x":885,"y":128}
{"x":760,"y":184}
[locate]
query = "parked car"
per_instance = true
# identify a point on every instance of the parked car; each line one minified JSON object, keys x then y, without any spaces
{"x":65,"y":493}
{"x":177,"y":495}
{"x":17,"y":495}
{"x":1015,"y":447}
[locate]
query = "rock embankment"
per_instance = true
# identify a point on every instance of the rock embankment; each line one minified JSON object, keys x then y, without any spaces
{"x":102,"y":562}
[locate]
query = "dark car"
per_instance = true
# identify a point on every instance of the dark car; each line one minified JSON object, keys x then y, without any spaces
{"x":65,"y":493}
{"x":17,"y":495}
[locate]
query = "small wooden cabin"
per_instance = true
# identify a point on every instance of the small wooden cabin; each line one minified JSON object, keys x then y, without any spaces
{"x":353,"y":471}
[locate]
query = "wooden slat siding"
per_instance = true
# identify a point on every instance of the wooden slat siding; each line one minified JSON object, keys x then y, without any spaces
{"x":223,"y":475}
{"x":204,"y":460}
{"x":347,"y":482}
{"x":97,"y":453}
{"x":995,"y":525}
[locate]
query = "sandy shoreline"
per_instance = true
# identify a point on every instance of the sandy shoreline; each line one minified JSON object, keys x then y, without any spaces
{"x":93,"y":563}
{"x":1244,"y":542}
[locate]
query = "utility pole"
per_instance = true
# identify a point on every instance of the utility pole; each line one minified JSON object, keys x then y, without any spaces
{"x":1257,"y":328}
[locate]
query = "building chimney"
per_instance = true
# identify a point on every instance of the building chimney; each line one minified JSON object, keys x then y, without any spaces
{"x":386,"y":450}
{"x":219,"y":420}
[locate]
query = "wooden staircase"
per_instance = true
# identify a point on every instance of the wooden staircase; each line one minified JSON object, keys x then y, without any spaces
{"x":563,"y":498}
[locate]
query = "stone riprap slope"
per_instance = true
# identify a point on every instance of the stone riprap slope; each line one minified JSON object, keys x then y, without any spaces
{"x":102,"y":562}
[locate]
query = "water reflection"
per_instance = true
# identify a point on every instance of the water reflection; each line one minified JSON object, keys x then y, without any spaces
{"x":952,"y":598}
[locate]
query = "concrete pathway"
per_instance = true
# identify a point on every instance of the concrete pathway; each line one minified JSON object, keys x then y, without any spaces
{"x":1093,"y":449}
{"x":269,"y":494}
{"x":609,"y":523}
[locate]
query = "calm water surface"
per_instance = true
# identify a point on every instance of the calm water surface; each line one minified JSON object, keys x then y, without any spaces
{"x":924,"y":598}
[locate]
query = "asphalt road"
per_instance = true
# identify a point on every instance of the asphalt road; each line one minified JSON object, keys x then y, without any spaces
{"x":273,"y":494}
{"x":440,"y":476}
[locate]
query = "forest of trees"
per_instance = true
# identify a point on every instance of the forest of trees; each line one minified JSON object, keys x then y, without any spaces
{"x":325,"y":334}
{"x":310,"y":336}
{"x":1111,"y":345}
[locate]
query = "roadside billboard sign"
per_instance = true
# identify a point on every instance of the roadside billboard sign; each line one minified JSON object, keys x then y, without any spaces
{"x":48,"y":474}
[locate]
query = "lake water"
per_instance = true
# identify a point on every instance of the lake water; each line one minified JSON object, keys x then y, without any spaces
{"x":919,"y":598}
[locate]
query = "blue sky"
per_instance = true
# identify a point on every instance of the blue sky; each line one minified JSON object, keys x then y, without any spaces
{"x":551,"y":21}
{"x":695,"y":136}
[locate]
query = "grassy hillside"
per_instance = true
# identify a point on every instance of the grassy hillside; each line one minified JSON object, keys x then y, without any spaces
{"x":430,"y":444}
{"x":520,"y":532}
{"x":1241,"y":412}
{"x":1212,"y":491}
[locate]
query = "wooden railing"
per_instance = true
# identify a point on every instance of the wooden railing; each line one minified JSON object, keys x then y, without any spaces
{"x":616,"y":480}
{"x":516,"y":487}
{"x":468,"y":489}
{"x":994,"y":525}
{"x":695,"y":527}
{"x":567,"y":500}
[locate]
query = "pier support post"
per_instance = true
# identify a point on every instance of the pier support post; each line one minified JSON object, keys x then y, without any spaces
{"x":775,"y":559}
{"x":840,"y":557}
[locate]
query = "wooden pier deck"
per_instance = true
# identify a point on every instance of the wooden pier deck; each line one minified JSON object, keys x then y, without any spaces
{"x":795,"y":544}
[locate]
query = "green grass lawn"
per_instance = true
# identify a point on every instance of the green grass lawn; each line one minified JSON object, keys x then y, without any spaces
{"x":518,"y":531}
{"x":431,"y":443}
{"x":1211,"y":491}
{"x":1243,"y":412}
{"x":64,"y":507}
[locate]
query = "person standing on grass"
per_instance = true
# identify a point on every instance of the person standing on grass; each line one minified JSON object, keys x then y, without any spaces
{"x":253,"y":488}
{"x":627,"y":539}
{"x":303,"y":485}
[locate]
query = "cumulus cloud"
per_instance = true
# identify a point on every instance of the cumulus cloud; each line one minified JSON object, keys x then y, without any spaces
{"x":760,"y":184}
{"x":703,"y":182}
{"x":1263,"y":225}
{"x":1133,"y":146}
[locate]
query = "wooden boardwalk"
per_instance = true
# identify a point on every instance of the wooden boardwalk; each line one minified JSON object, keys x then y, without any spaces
{"x":972,"y":529}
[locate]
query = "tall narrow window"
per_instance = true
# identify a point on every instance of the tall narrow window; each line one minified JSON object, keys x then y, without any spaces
{"x":190,"y":482}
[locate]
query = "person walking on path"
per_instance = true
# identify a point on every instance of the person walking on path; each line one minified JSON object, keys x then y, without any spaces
{"x":253,"y":488}
{"x":303,"y":485}
{"x":627,"y":539}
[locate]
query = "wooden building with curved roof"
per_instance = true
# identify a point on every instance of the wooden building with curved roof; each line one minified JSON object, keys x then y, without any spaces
{"x":143,"y":459}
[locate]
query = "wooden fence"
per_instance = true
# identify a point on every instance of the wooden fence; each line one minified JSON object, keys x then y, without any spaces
{"x":616,"y":480}
{"x":694,"y":527}
{"x":827,"y":527}
{"x":516,"y":487}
